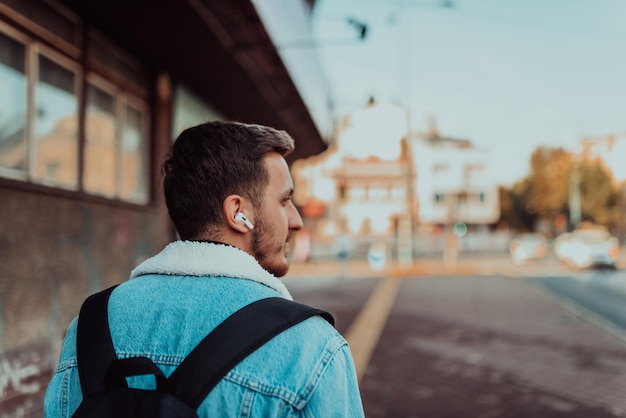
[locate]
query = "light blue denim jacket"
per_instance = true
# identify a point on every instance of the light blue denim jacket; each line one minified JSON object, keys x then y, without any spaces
{"x":177,"y":297}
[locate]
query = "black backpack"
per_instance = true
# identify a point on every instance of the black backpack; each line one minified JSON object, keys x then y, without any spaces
{"x":103,"y":375}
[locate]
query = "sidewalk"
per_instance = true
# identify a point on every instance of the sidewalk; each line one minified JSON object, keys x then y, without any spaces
{"x":466,"y":264}
{"x":447,"y":345}
{"x":488,"y":347}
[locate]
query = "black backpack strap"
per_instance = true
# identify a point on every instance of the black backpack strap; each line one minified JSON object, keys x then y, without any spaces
{"x":232,"y":341}
{"x":94,"y":347}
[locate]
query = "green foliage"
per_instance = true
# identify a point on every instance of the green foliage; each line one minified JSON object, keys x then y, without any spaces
{"x":545,"y":192}
{"x":548,"y":189}
{"x":513,"y":211}
{"x":599,"y":198}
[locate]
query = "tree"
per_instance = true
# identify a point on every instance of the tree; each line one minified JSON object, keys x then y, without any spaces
{"x":548,"y":188}
{"x":513,"y":212}
{"x":544,"y":194}
{"x":599,"y":198}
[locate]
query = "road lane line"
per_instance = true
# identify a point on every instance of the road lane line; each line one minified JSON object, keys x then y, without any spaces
{"x":365,"y":331}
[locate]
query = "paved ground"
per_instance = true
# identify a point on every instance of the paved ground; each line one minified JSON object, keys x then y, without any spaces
{"x":470,"y":339}
{"x":488,"y":346}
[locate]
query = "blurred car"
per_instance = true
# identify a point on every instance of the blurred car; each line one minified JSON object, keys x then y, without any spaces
{"x":562,"y":246}
{"x":527,"y":247}
{"x":584,"y":248}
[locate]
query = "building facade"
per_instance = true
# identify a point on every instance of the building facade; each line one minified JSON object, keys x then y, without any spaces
{"x":411,"y":198}
{"x":454,"y":187}
{"x":360,"y":196}
{"x":91,"y":96}
{"x":454,"y":182}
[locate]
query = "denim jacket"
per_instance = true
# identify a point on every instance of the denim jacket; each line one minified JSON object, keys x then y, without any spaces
{"x":177,"y":297}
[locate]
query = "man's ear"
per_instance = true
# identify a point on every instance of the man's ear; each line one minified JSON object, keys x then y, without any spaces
{"x":233,"y":205}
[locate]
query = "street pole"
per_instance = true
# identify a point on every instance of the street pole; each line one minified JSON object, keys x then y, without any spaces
{"x":406,"y":221}
{"x":574,"y":195}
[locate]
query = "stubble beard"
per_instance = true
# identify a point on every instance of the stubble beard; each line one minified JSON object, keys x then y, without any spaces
{"x":263,"y":248}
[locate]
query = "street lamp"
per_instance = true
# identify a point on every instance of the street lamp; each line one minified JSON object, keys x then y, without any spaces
{"x":361,"y":27}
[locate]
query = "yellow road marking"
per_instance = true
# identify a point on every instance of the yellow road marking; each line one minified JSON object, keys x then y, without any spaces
{"x":364,"y":333}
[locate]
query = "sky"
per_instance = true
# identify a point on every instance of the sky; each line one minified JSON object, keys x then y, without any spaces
{"x":509,"y":75}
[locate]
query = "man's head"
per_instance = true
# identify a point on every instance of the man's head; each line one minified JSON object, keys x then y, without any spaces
{"x":220,"y":169}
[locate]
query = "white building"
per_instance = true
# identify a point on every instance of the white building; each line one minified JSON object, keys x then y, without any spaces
{"x":454,"y":185}
{"x":371,"y":187}
{"x":359,"y":188}
{"x":371,"y":195}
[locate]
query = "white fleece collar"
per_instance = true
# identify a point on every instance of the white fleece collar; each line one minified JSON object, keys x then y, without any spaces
{"x":191,"y":258}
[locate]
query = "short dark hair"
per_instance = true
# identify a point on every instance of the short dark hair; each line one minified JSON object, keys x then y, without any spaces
{"x":211,"y":161}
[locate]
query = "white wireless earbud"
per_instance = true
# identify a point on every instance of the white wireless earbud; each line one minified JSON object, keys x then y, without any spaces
{"x":241,"y":217}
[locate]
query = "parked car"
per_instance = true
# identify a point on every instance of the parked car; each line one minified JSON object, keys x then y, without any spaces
{"x":527,"y":247}
{"x":584,"y":248}
{"x":562,"y":246}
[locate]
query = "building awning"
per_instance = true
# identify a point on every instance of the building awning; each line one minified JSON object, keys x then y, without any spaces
{"x":220,"y":50}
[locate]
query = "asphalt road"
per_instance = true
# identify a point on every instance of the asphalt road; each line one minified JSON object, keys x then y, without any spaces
{"x":599,"y":294}
{"x":483,"y":344}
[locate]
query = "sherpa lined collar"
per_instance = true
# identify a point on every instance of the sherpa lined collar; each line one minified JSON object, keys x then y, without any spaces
{"x":192,"y":258}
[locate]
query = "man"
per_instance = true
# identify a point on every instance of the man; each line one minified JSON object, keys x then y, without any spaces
{"x":229,"y":193}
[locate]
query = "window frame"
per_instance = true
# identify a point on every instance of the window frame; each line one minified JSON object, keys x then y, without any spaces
{"x":125,"y":93}
{"x":44,"y":33}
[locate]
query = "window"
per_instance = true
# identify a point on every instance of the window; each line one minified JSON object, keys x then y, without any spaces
{"x":115,"y":145}
{"x":38,"y":133}
{"x":55,"y":134}
{"x":358,"y":193}
{"x":132,"y":156}
{"x":378,"y":193}
{"x":100,"y":155}
{"x":41,"y":130}
{"x":13,"y":106}
{"x":397,"y":193}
